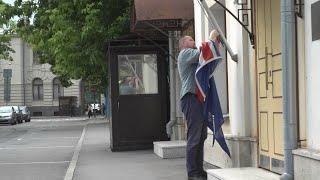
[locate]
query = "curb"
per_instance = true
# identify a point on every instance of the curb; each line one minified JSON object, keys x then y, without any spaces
{"x":75,"y":157}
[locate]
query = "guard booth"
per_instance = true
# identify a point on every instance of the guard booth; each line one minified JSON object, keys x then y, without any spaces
{"x":139,"y":71}
{"x":139,"y":91}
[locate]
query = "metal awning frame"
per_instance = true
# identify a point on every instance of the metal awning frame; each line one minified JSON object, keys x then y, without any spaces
{"x":251,"y":35}
{"x":212,"y":20}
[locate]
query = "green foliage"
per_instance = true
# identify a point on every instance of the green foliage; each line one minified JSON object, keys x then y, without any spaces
{"x":6,"y":27}
{"x":71,"y":35}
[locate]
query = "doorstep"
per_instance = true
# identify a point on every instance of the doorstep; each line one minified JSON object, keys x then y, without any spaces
{"x":170,"y":149}
{"x":249,"y":173}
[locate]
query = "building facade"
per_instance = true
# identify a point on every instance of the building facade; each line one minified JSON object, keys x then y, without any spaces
{"x":255,"y":131}
{"x":26,"y":82}
{"x":306,"y":159}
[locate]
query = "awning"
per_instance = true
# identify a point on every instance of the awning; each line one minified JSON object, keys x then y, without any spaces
{"x":164,"y":14}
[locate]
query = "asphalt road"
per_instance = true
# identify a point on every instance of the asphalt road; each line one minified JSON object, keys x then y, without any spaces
{"x":71,"y":149}
{"x":39,"y":150}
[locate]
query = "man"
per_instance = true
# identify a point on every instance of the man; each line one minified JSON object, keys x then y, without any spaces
{"x":126,"y":87}
{"x":89,"y":111}
{"x":192,"y":108}
{"x":103,"y":108}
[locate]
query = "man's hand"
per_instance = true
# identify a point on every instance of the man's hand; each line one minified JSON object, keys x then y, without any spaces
{"x":213,"y":35}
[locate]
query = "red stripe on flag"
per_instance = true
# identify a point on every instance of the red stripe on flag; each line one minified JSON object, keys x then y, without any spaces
{"x":199,"y":95}
{"x":206,"y":51}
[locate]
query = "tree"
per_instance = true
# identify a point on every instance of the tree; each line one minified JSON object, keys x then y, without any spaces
{"x":6,"y":26}
{"x":71,"y":35}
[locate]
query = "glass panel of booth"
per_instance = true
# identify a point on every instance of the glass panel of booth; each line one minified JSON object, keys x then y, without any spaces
{"x":138,"y":74}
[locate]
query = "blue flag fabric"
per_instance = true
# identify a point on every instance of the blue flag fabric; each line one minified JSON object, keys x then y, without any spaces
{"x":207,"y":92}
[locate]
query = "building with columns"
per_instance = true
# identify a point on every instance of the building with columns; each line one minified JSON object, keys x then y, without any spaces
{"x":26,"y":82}
{"x":255,"y":129}
{"x":236,"y":84}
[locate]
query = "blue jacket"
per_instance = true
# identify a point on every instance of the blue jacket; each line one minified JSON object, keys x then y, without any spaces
{"x":187,"y":64}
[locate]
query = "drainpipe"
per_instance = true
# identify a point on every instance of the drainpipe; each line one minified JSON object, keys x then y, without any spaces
{"x":173,"y":119}
{"x":289,"y":85}
{"x":23,"y":74}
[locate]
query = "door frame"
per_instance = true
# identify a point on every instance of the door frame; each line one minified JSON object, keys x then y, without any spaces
{"x":256,"y":59}
{"x":115,"y":142}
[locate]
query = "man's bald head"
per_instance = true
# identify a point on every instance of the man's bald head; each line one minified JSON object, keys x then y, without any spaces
{"x":186,"y":42}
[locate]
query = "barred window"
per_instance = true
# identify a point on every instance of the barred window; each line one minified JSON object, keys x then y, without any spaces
{"x":37,"y":89}
{"x":57,"y":89}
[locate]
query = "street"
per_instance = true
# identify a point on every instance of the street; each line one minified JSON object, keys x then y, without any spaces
{"x":38,"y":150}
{"x":62,"y":148}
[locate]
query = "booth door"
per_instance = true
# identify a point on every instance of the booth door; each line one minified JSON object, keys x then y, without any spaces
{"x":139,"y":101}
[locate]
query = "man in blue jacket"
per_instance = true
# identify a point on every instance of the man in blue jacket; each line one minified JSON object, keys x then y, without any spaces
{"x":192,"y":108}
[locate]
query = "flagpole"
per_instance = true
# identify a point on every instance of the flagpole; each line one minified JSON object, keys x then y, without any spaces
{"x":213,"y":20}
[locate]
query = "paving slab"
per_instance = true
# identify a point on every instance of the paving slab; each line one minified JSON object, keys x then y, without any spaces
{"x":97,"y":162}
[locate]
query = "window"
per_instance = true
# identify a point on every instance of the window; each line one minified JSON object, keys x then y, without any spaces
{"x":138,"y":74}
{"x":57,"y":89}
{"x":221,"y":71}
{"x":36,"y":59}
{"x":37,"y":89}
{"x":37,"y":113}
{"x":7,"y":74}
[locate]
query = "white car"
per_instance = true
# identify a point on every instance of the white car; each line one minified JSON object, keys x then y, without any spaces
{"x":95,"y":108}
{"x":8,"y":115}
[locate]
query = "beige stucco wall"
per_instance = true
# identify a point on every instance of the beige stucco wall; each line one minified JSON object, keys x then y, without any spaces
{"x":24,"y":71}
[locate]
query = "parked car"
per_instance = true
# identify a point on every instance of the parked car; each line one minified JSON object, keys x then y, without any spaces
{"x":25,"y":114}
{"x":18,"y":113}
{"x":8,"y":115}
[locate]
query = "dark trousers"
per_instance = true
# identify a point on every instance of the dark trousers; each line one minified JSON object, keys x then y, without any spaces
{"x":89,"y":114}
{"x":196,"y":134}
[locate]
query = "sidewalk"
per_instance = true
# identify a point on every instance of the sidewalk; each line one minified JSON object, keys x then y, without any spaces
{"x":97,"y":162}
{"x":62,"y":118}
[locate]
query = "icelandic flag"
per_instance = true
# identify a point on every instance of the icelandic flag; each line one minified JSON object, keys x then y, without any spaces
{"x":206,"y":91}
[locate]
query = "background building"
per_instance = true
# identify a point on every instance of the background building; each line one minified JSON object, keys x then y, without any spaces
{"x":24,"y":81}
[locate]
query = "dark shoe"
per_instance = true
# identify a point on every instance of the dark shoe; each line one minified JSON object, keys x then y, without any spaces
{"x":196,"y":178}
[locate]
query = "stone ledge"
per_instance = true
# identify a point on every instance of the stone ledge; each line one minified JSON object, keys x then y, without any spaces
{"x":241,"y":174}
{"x":306,"y":164}
{"x":170,"y":149}
{"x":308,"y":153}
{"x":240,"y":138}
{"x":243,"y":152}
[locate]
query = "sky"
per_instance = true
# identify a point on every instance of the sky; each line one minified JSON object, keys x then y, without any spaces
{"x":11,"y":2}
{"x":8,"y":1}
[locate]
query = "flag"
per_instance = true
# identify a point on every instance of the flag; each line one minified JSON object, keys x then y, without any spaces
{"x":207,"y":93}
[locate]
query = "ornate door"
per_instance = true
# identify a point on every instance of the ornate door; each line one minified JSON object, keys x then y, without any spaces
{"x":269,"y":77}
